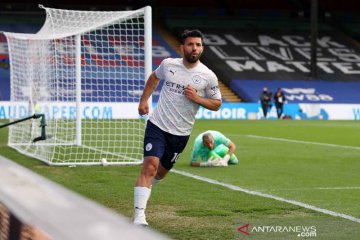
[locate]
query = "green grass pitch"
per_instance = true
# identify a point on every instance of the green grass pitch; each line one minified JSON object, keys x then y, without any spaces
{"x":316,"y":163}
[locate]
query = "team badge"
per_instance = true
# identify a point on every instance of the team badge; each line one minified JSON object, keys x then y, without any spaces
{"x":214,"y":90}
{"x":196,"y":79}
{"x":148,"y":147}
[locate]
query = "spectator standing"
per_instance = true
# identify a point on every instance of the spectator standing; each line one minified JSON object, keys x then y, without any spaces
{"x":279,"y":99}
{"x":265,"y":100}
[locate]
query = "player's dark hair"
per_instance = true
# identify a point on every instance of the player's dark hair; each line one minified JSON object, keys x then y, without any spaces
{"x":191,"y":33}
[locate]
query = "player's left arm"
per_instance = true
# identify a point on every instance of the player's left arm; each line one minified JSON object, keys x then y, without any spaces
{"x":227,"y":142}
{"x":231,"y":147}
{"x":209,"y":103}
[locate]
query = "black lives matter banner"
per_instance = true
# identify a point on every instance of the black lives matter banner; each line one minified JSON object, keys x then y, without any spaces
{"x":269,"y":55}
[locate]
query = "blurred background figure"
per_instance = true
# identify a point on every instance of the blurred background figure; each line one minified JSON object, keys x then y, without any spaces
{"x":279,"y":99}
{"x":265,"y":101}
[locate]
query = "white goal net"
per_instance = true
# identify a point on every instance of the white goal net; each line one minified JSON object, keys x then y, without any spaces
{"x":84,"y":71}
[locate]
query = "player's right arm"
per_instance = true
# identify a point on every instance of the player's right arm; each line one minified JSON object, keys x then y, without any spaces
{"x":208,"y":103}
{"x":150,"y":86}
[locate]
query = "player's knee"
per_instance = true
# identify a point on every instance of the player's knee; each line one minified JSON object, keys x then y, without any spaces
{"x":150,"y":166}
{"x":212,"y":154}
{"x":221,"y":150}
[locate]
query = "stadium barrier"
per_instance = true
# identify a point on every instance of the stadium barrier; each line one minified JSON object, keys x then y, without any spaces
{"x":32,"y":207}
{"x":228,"y":111}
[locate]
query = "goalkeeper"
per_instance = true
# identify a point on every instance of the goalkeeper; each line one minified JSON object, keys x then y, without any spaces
{"x":213,"y":149}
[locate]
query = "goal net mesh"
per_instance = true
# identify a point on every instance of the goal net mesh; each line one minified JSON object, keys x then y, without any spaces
{"x":85,"y":71}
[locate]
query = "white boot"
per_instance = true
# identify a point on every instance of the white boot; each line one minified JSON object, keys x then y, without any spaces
{"x":139,"y":217}
{"x":141,"y":196}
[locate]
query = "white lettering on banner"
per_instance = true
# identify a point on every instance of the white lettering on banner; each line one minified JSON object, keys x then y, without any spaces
{"x":97,"y":113}
{"x":299,"y":90}
{"x":345,"y":68}
{"x":273,"y":66}
{"x":223,"y":113}
{"x":67,"y":110}
{"x":300,"y":94}
{"x":345,"y":54}
{"x":326,"y":42}
{"x":248,"y":65}
{"x":254,"y":53}
{"x":306,"y":53}
{"x":15,"y":112}
{"x":313,"y":111}
{"x":267,"y":41}
{"x":324,"y":66}
{"x":283,"y":53}
{"x":293,"y":53}
{"x":310,"y":97}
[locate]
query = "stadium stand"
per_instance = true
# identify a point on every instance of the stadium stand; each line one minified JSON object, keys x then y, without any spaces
{"x":268,"y":43}
{"x":248,"y":21}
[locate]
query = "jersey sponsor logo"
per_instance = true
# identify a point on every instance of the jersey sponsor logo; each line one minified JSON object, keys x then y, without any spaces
{"x":173,"y":73}
{"x":148,"y":147}
{"x":175,"y":87}
{"x":196,"y":79}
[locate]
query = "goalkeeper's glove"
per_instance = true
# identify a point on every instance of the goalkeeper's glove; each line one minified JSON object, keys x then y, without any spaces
{"x":225,"y":160}
{"x":212,"y":162}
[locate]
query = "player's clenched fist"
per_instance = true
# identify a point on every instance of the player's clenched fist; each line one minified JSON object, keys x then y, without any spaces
{"x":143,"y":108}
{"x":190,"y":93}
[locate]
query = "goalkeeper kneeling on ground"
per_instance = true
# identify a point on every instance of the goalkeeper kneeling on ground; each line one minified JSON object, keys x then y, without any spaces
{"x":213,"y":149}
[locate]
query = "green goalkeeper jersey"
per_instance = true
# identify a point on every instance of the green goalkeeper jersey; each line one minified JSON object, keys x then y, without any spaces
{"x":200,"y":151}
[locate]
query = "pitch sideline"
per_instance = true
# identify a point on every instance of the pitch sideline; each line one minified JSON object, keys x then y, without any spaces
{"x":293,"y":202}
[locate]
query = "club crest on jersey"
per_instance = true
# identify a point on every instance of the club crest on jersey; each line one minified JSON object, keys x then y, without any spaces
{"x":196,"y":79}
{"x":148,"y":147}
{"x":214,"y":90}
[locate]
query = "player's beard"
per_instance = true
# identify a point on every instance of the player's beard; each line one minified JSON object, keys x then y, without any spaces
{"x":189,"y":57}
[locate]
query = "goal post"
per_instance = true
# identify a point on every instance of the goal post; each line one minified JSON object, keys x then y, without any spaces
{"x":85,"y":71}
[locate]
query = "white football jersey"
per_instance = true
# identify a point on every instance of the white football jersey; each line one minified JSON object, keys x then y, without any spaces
{"x":174,"y":112}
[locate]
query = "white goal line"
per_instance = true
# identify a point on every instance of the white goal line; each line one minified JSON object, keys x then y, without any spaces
{"x":265,"y":195}
{"x":305,"y":142}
